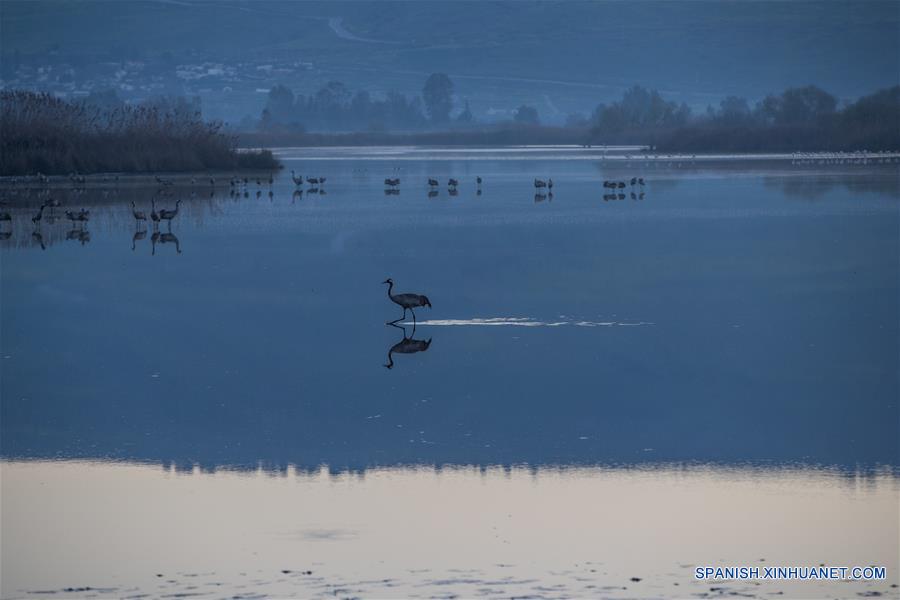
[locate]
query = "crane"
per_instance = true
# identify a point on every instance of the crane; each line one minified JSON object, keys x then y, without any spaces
{"x":406,"y":301}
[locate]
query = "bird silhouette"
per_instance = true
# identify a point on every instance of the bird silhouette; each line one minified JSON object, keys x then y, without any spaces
{"x":168,"y":215}
{"x":407,"y":345}
{"x":154,"y":216}
{"x":406,"y":301}
{"x":139,"y":215}
{"x":36,"y":219}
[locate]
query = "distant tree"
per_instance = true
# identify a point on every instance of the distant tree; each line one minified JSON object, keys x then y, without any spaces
{"x":265,"y":121}
{"x":280,"y":104}
{"x":682,"y":115}
{"x":734,"y":111}
{"x":466,"y":115}
{"x":438,"y":96}
{"x":576,"y":121}
{"x":360,"y":108}
{"x":768,"y":111}
{"x":806,"y":104}
{"x":639,"y":109}
{"x":526,"y":115}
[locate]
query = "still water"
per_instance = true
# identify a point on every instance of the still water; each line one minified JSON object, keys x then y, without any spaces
{"x":604,"y":389}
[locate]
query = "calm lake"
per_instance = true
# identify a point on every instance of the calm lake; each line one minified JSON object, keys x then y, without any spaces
{"x":606,"y":393}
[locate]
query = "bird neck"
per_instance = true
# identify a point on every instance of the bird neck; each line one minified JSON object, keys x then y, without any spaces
{"x":390,"y":287}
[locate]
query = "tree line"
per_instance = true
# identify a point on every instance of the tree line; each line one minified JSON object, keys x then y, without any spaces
{"x":799,"y":118}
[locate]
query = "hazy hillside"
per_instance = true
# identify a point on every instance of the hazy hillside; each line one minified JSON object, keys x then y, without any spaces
{"x":560,"y":57}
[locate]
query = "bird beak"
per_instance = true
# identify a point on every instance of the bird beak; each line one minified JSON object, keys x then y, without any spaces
{"x":385,"y":281}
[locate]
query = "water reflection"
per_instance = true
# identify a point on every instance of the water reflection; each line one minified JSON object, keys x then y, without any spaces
{"x":138,"y":235}
{"x":164,"y":238}
{"x":79,"y":235}
{"x":765,"y":358}
{"x":472,"y":532}
{"x":407,"y":345}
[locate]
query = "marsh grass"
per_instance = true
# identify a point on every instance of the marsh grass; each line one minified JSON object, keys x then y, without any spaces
{"x":40,"y":133}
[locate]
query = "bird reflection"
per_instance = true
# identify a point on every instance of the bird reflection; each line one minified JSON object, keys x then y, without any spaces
{"x":138,"y":235}
{"x":164,"y":238}
{"x":433,"y":194}
{"x":80,"y":235}
{"x":36,"y":236}
{"x":297,"y":195}
{"x":391,"y":192}
{"x":453,"y":191}
{"x":407,"y":345}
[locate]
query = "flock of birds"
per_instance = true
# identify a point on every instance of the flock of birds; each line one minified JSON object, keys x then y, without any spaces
{"x":315,"y":184}
{"x":392,"y":186}
{"x":621,"y":185}
{"x":240,"y":187}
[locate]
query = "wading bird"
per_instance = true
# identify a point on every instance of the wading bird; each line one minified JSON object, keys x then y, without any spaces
{"x":139,"y":215}
{"x":540,"y":184}
{"x":154,"y":216}
{"x":168,"y":215}
{"x":452,"y":183}
{"x":478,"y":180}
{"x":433,"y":182}
{"x":406,"y":301}
{"x":36,"y":219}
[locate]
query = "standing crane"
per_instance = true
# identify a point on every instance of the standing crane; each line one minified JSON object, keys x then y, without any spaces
{"x":154,"y":216}
{"x":168,"y":215}
{"x":406,"y":301}
{"x":139,"y":215}
{"x":36,"y":219}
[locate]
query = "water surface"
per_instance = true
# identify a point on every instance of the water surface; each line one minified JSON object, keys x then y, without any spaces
{"x":727,"y":342}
